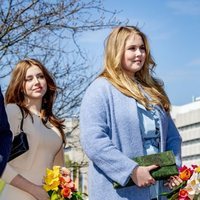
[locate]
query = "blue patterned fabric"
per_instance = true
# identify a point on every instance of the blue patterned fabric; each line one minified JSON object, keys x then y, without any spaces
{"x":150,"y":131}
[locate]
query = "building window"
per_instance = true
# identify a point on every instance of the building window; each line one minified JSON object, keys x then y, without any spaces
{"x":189,"y":127}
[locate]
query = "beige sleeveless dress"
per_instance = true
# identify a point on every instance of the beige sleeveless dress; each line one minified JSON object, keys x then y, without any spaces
{"x":44,"y":144}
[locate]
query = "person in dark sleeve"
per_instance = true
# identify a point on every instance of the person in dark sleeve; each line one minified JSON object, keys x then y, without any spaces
{"x":5,"y":136}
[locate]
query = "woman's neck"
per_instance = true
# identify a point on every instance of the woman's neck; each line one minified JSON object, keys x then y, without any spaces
{"x":34,"y":107}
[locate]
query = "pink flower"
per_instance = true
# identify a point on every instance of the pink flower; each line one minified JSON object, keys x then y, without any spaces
{"x":183,"y":195}
{"x":64,"y":171}
{"x":71,"y":185}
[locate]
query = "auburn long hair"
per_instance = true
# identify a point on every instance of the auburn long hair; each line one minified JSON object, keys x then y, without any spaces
{"x":15,"y":93}
{"x":113,"y":71}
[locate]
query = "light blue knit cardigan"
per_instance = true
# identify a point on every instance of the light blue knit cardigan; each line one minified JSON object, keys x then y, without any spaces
{"x":110,"y":136}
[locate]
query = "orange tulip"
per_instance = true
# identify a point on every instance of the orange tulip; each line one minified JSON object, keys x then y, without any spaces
{"x":185,"y":173}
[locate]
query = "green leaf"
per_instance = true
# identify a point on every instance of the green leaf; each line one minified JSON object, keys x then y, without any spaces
{"x":55,"y":196}
{"x":50,"y":192}
{"x":174,"y":197}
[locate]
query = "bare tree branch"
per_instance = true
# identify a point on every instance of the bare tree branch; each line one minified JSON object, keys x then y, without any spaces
{"x":45,"y":29}
{"x":48,"y":30}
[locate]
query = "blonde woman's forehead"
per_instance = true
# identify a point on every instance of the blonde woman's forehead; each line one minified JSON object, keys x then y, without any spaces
{"x":134,"y":39}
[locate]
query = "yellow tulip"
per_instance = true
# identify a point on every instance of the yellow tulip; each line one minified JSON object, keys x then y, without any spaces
{"x":197,"y":169}
{"x":52,"y":179}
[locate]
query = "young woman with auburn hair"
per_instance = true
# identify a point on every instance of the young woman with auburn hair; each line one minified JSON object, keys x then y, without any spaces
{"x":32,"y":89}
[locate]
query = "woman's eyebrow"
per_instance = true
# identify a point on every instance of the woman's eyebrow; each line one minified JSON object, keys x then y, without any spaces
{"x":40,"y":73}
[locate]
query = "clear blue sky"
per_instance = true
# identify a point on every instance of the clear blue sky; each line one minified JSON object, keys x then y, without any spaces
{"x":173,"y":29}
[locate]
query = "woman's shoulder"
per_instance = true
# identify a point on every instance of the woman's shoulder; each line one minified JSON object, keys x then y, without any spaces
{"x":12,"y":106}
{"x":99,"y":83}
{"x":12,"y":109}
{"x":14,"y":116}
{"x":98,"y":89}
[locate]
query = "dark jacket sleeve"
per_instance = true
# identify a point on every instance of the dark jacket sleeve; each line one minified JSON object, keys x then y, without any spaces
{"x":5,"y":135}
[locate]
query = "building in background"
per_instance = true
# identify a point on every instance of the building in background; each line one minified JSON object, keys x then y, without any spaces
{"x":75,"y":159}
{"x":187,"y":120}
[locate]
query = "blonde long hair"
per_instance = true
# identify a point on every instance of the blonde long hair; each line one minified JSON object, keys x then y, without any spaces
{"x":113,"y":71}
{"x":15,"y":93}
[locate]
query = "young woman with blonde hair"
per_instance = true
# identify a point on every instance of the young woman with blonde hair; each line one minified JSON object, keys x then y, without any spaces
{"x":125,"y":113}
{"x":32,"y":89}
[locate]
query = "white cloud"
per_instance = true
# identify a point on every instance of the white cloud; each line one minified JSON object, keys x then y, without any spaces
{"x":188,"y":7}
{"x":195,"y":62}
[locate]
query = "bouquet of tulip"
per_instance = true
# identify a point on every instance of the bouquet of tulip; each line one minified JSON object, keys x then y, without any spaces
{"x":59,"y":185}
{"x":189,"y":189}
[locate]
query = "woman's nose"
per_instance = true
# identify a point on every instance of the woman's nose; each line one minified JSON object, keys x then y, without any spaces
{"x":36,"y":81}
{"x":138,"y":51}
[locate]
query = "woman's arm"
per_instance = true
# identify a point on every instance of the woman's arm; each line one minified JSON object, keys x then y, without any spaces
{"x":95,"y":138}
{"x":174,"y":141}
{"x":35,"y":190}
